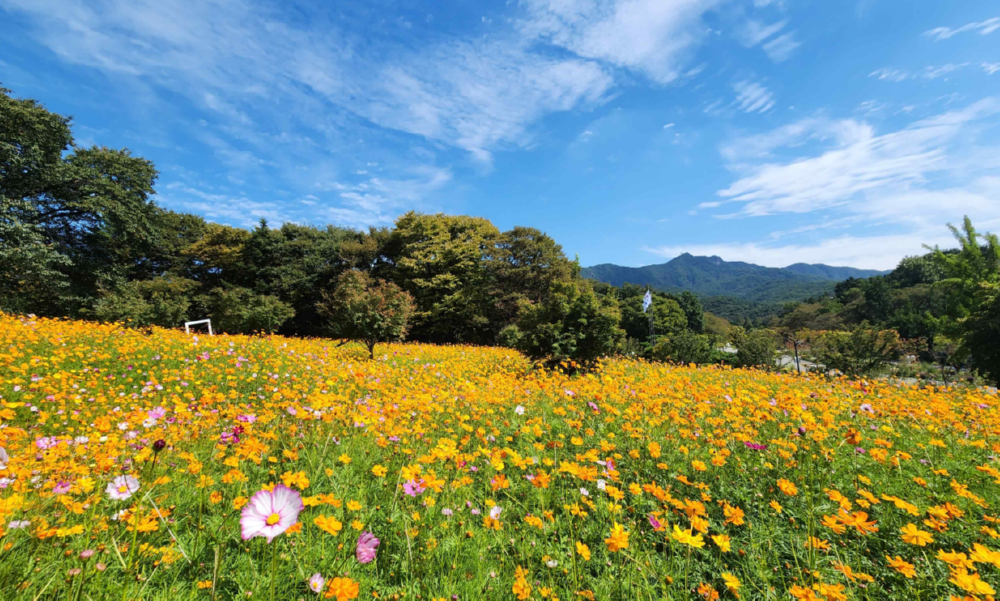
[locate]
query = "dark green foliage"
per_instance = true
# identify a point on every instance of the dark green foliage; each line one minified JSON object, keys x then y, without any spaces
{"x":294,"y":263}
{"x":863,"y":351}
{"x":684,"y":347}
{"x":366,"y":309}
{"x":523,"y":264}
{"x":665,"y":313}
{"x":754,"y":348}
{"x":981,"y":344}
{"x":737,"y":310}
{"x":163,"y":301}
{"x":30,"y":268}
{"x":241,"y":311}
{"x":572,"y":324}
{"x":440,"y":261}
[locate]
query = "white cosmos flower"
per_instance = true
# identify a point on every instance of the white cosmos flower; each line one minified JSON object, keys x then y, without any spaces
{"x":122,"y":487}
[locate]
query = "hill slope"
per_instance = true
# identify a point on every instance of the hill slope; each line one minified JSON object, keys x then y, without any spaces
{"x":711,"y":276}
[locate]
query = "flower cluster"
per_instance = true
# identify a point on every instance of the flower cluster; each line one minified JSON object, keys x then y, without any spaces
{"x":157,"y":464}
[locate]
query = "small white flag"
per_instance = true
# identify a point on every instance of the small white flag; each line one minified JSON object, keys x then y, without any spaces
{"x":647,"y":301}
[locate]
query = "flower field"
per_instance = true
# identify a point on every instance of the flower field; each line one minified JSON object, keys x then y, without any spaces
{"x":156,"y":465}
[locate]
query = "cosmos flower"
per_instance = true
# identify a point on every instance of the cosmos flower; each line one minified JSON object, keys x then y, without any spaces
{"x":4,"y":459}
{"x":122,"y":487}
{"x":270,"y":512}
{"x":495,"y":512}
{"x":367,"y":545}
{"x":317,"y":582}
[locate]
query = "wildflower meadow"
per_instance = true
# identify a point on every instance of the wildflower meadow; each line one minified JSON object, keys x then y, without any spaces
{"x":158,"y":465}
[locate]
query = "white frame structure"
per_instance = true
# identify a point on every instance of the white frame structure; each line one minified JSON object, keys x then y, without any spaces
{"x":188,"y":324}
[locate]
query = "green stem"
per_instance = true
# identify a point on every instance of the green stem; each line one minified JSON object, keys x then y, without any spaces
{"x":274,"y":566}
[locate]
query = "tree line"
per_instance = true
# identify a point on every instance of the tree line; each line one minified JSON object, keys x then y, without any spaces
{"x":941,"y":307}
{"x":81,"y":236}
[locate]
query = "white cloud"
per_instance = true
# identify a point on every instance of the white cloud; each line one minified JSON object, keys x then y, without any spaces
{"x":890,"y":74}
{"x":781,"y":48}
{"x":751,"y":97}
{"x":652,"y":37}
{"x":234,"y":56}
{"x":982,"y":28}
{"x":859,"y":162}
{"x":990,"y":68}
{"x":930,"y":72}
{"x":754,"y":32}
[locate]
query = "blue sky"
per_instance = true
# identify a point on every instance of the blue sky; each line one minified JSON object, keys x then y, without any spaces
{"x":769,"y":131}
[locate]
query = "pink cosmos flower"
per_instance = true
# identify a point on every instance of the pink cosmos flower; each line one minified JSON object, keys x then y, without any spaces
{"x":62,"y":487}
{"x":122,"y":487}
{"x":270,"y":512}
{"x":367,"y":544}
{"x":317,"y":582}
{"x":655,"y":523}
{"x":413,"y":487}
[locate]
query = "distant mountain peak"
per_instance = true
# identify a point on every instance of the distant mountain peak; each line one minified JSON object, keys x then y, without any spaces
{"x":713,"y":276}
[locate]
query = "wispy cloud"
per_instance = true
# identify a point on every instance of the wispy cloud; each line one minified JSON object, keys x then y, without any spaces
{"x":928,"y":73}
{"x":860,"y":162}
{"x":752,"y":97}
{"x":651,"y":37}
{"x":781,"y":48}
{"x":754,"y":32}
{"x":990,"y":68}
{"x":778,"y":49}
{"x":982,"y":28}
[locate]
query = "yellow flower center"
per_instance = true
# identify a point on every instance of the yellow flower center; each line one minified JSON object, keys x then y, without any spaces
{"x":273,"y":519}
{"x":123,"y":489}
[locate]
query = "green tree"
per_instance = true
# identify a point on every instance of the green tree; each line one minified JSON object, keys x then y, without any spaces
{"x":90,"y":205}
{"x":522,"y":264}
{"x":294,"y":263}
{"x":981,"y":340}
{"x":667,"y":316}
{"x":241,"y":311}
{"x":572,"y":324}
{"x":439,"y":260}
{"x":754,"y":348}
{"x":684,"y":347}
{"x":863,"y":351}
{"x":30,"y":276}
{"x":976,"y":262}
{"x":216,"y":258}
{"x":366,"y":309}
{"x":163,"y":301}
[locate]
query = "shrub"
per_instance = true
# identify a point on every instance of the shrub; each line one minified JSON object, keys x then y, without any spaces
{"x":862,"y":351}
{"x":754,"y":348}
{"x":241,"y":311}
{"x":572,"y":324}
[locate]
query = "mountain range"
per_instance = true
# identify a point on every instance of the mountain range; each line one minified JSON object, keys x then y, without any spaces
{"x":711,"y":276}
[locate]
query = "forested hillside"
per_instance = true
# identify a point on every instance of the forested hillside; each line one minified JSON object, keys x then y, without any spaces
{"x":711,"y":276}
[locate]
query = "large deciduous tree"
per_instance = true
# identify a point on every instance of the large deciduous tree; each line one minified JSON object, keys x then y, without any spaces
{"x":439,"y":260}
{"x":84,"y":212}
{"x":366,"y":309}
{"x":572,"y":324}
